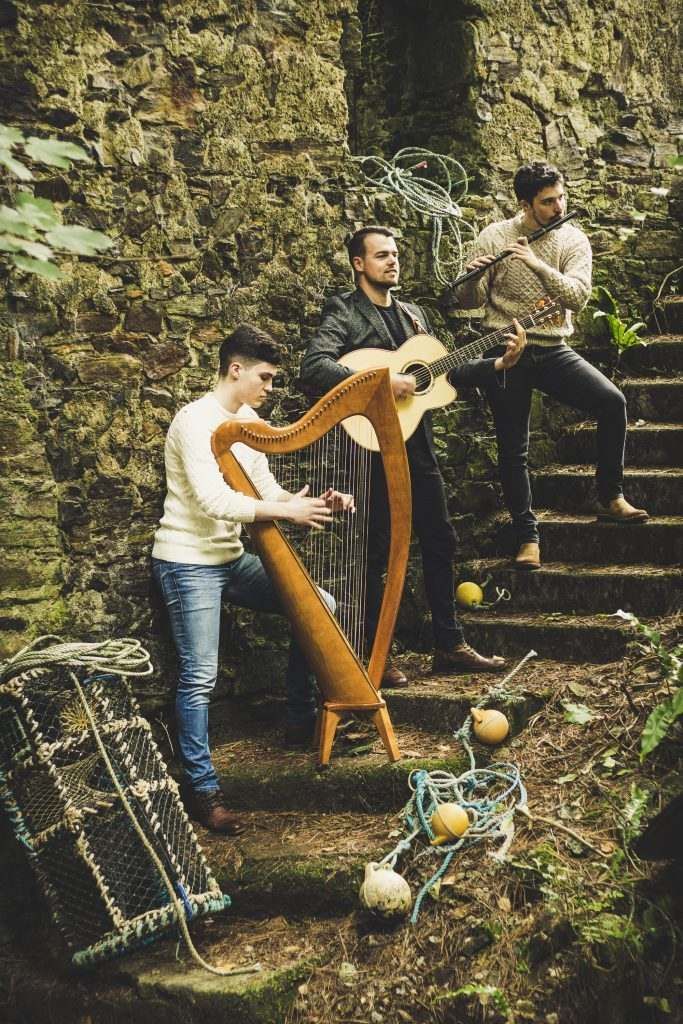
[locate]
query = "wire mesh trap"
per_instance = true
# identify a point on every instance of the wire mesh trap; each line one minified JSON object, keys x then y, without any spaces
{"x":91,"y":800}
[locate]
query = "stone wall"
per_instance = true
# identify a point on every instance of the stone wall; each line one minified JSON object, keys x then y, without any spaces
{"x":220,"y":136}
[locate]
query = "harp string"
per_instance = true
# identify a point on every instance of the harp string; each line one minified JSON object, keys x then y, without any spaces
{"x":335,"y":557}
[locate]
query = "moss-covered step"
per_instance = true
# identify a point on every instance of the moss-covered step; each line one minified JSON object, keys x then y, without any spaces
{"x":663,"y":353}
{"x":163,"y":985}
{"x":646,"y":590}
{"x":656,"y":399}
{"x":300,"y":864}
{"x":572,"y":489}
{"x":648,"y":444}
{"x":258,"y":774}
{"x":554,"y":635}
{"x":582,"y":538}
{"x":442,"y":705}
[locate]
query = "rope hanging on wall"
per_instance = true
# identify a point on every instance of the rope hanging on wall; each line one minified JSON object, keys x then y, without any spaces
{"x":437,"y":196}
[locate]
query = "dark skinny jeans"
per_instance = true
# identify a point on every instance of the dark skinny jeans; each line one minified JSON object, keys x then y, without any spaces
{"x":435,"y":534}
{"x":566,"y":376}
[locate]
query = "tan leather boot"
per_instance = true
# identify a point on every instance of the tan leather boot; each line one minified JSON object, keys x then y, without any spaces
{"x":528,"y":557}
{"x":619,"y":510}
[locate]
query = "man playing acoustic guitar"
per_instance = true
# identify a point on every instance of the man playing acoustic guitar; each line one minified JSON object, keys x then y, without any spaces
{"x":559,"y":266}
{"x":369,"y":317}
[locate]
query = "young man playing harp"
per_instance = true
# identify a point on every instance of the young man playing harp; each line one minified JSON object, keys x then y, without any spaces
{"x":198,"y":559}
{"x":369,"y":317}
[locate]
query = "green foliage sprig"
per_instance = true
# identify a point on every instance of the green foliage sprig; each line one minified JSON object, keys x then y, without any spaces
{"x":31,"y":231}
{"x":621,"y":335}
{"x":670,"y":710}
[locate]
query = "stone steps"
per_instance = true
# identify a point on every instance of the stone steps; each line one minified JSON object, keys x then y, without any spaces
{"x":581,"y":538}
{"x":662,"y":353}
{"x":299,"y":864}
{"x":571,"y":488}
{"x":649,"y":444}
{"x":646,"y":590}
{"x":163,"y":985}
{"x":562,"y":637}
{"x":654,"y":399}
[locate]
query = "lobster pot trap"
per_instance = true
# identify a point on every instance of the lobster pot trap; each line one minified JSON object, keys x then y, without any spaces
{"x":91,"y":800}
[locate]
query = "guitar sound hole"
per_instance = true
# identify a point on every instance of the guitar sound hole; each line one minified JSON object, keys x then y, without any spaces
{"x":423,"y":376}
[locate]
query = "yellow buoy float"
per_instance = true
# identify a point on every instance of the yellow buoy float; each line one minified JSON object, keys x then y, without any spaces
{"x":469,"y":595}
{"x":449,"y":822}
{"x":490,"y":726}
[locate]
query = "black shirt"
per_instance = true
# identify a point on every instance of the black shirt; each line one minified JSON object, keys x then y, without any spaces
{"x":393,"y":323}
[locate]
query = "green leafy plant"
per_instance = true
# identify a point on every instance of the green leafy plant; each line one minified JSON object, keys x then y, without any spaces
{"x":621,"y":335}
{"x":661,"y":719}
{"x":31,"y":231}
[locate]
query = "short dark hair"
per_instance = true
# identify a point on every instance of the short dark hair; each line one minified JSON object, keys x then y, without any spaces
{"x":531,"y":178}
{"x":356,"y":243}
{"x":252,"y":345}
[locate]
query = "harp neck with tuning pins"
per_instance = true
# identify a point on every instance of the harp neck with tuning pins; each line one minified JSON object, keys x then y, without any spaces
{"x":305,"y":563}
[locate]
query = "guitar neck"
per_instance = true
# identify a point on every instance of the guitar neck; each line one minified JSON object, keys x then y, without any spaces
{"x":475,"y":348}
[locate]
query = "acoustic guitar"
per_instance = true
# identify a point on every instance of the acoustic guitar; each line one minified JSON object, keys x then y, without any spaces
{"x":428,"y":361}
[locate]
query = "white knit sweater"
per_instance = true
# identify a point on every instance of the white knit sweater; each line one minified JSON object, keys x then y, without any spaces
{"x":511,"y":289}
{"x":202,"y":516}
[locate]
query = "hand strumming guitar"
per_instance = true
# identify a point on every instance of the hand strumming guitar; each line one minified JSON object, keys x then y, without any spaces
{"x":403,"y":385}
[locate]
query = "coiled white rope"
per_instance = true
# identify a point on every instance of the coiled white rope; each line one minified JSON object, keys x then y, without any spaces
{"x":438,"y":197}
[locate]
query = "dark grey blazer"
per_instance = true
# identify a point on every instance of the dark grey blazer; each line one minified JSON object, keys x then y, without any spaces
{"x":351,"y":321}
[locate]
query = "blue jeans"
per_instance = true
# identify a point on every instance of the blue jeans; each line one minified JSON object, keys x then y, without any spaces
{"x":563,"y":374}
{"x":193,"y":595}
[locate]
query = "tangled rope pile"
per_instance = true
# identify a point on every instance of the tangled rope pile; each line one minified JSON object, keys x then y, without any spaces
{"x":490,"y":796}
{"x":125,"y":657}
{"x":429,"y":196}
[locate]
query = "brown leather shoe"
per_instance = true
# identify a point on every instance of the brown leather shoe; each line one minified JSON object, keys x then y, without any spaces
{"x":209,"y":809}
{"x":619,"y":510}
{"x":528,"y":557}
{"x":393,"y":677}
{"x":464,"y":659}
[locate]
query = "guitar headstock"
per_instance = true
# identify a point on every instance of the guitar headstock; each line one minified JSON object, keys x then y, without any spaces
{"x":548,"y":310}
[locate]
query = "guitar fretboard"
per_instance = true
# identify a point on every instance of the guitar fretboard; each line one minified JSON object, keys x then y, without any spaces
{"x":476,"y":348}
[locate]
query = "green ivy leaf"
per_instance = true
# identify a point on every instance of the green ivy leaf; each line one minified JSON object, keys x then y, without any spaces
{"x":55,"y":153}
{"x":10,"y":243}
{"x":577,"y":714}
{"x":74,"y":238}
{"x":14,"y":223}
{"x":40,"y":267}
{"x":10,"y":136}
{"x":36,"y":249}
{"x":14,"y":166}
{"x":40,"y":213}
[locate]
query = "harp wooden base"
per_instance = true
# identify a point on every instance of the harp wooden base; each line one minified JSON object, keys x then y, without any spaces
{"x":330,"y":716}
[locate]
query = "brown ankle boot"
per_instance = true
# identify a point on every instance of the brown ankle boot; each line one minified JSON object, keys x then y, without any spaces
{"x":464,"y":659}
{"x":208,"y":807}
{"x":393,"y":677}
{"x":619,"y":510}
{"x":529,"y":556}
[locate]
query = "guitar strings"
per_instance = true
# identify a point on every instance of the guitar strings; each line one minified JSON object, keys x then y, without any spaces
{"x":425,"y":374}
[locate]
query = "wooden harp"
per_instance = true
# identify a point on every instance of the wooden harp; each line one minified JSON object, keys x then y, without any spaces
{"x":333,"y":642}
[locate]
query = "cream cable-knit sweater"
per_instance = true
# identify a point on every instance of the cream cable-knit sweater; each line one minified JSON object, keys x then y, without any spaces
{"x":202,"y":516}
{"x":511,"y":289}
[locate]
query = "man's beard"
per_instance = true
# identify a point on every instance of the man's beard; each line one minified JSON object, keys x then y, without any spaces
{"x":381,"y":284}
